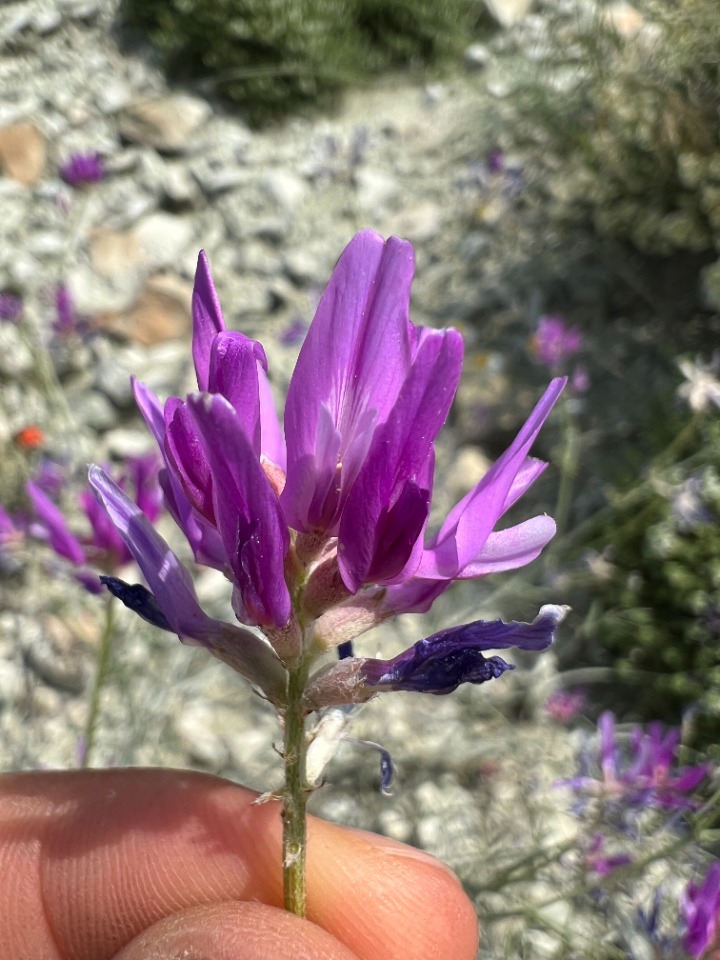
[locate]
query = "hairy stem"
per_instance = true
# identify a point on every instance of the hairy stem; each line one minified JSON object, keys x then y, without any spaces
{"x":295,"y":794}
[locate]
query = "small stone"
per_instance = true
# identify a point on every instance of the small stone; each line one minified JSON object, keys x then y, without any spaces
{"x":124,"y":442}
{"x":16,"y":359}
{"x":114,"y":253}
{"x":477,"y":56}
{"x":23,"y":153}
{"x":214,"y":179}
{"x":56,"y":657}
{"x":112,"y":95}
{"x":375,"y":189}
{"x":163,"y":239}
{"x":96,"y":411}
{"x":168,"y":124}
{"x":161,"y":312}
{"x":94,"y":294}
{"x":624,"y":19}
{"x":12,"y":683}
{"x":508,"y":12}
{"x":202,"y":743}
{"x":285,"y":188}
{"x":46,"y":21}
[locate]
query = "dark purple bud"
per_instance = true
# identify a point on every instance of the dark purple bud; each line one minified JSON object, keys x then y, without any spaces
{"x":138,"y":598}
{"x":440,"y":663}
{"x":387,"y":767}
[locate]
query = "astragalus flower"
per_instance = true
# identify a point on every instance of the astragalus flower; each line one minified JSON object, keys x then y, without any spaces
{"x":323,"y":532}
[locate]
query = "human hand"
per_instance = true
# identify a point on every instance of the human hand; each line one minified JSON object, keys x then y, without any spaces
{"x":162,"y":864}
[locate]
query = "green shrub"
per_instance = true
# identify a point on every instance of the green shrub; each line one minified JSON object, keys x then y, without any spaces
{"x":630,"y":128}
{"x":272,"y":57}
{"x":654,"y":611}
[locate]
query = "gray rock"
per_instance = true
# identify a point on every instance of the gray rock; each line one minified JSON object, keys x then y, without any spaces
{"x":16,"y":359}
{"x":164,"y":240}
{"x":285,"y":188}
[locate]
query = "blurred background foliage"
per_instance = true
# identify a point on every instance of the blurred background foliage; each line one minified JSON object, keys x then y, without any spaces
{"x":271,"y":58}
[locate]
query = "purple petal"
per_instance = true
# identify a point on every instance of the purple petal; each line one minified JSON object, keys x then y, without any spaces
{"x":207,"y":320}
{"x":203,"y":538}
{"x":105,"y":537}
{"x":511,"y":548}
{"x":388,"y":505}
{"x":54,"y":524}
{"x":349,"y":371}
{"x":234,"y":361}
{"x":440,"y":663}
{"x":173,"y":590}
{"x":169,"y":581}
{"x":272,"y":443}
{"x":247,"y":510}
{"x":700,"y":905}
{"x":186,"y":457}
{"x":468,"y":526}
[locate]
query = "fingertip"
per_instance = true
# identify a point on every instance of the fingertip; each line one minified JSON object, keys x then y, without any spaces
{"x":387,"y":900}
{"x":234,"y":931}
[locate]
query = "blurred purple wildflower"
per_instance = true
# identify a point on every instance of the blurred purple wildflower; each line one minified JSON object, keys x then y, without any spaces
{"x":11,"y":307}
{"x":294,"y":333}
{"x":700,"y":910}
{"x":565,"y":705}
{"x":598,"y":861}
{"x":82,"y":169}
{"x":580,"y":379}
{"x":554,"y":342}
{"x":66,"y":319}
{"x":643,"y":774}
{"x":103,"y":547}
{"x":323,"y":532}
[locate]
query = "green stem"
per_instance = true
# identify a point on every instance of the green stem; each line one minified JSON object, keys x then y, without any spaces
{"x":569,"y":462}
{"x":103,"y":662}
{"x":295,"y":794}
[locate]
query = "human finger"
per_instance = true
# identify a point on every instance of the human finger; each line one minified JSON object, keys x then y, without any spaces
{"x":89,"y":860}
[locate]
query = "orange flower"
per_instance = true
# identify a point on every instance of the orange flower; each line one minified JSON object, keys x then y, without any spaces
{"x":30,"y":437}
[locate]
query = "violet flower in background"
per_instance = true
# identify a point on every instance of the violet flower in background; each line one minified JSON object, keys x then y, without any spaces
{"x":103,"y":547}
{"x":323,"y":531}
{"x":66,"y":319}
{"x":294,"y":333}
{"x":11,"y":307}
{"x":565,"y":705}
{"x":82,"y":169}
{"x":599,"y":861}
{"x":700,"y":911}
{"x":641,"y":773}
{"x":554,"y":342}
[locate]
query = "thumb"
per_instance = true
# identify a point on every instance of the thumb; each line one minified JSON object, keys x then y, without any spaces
{"x":234,"y":931}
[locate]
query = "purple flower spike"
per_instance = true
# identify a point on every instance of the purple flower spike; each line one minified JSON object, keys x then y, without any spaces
{"x":641,"y":774}
{"x":82,"y":169}
{"x":440,"y":663}
{"x":323,"y":531}
{"x":700,"y":909}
